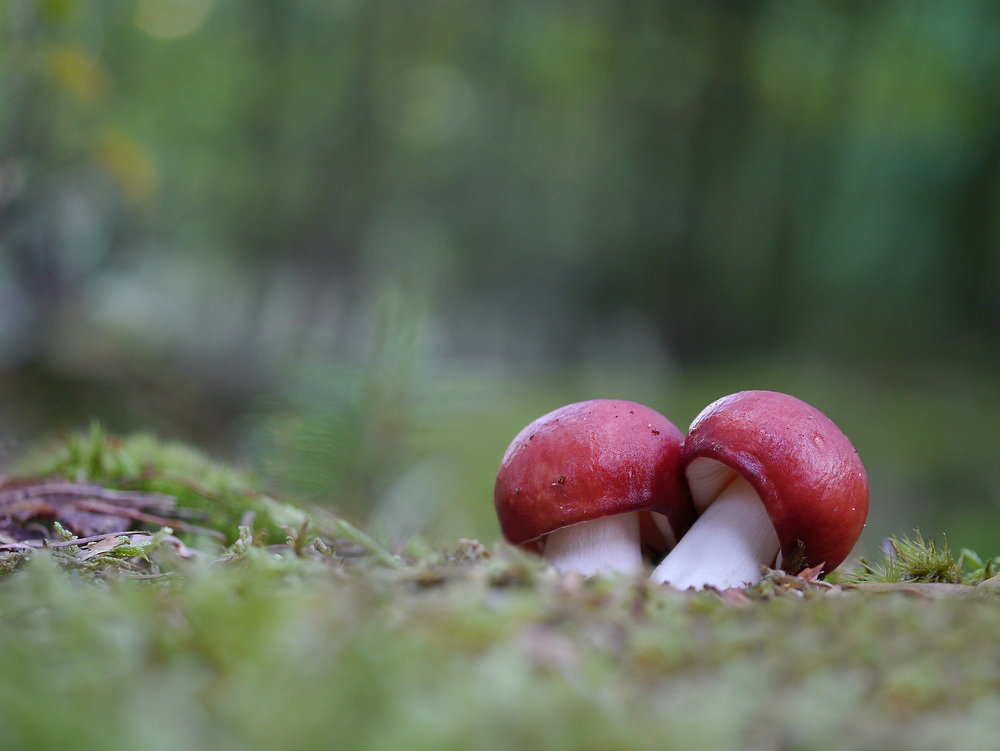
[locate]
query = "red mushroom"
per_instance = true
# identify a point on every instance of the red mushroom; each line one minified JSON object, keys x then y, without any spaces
{"x":573,"y":484}
{"x":767,"y":473}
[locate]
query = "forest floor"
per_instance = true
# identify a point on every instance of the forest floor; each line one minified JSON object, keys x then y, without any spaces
{"x":216,"y":634}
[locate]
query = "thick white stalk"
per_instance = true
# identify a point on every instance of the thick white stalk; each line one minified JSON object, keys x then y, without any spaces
{"x":726,"y":546}
{"x":608,"y":544}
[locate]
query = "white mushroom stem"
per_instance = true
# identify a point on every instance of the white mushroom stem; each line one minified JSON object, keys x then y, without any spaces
{"x":610,"y":543}
{"x":726,"y":546}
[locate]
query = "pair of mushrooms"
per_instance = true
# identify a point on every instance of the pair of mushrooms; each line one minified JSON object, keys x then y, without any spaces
{"x":595,"y":486}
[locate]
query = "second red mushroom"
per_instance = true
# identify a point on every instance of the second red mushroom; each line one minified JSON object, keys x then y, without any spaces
{"x":768,"y":473}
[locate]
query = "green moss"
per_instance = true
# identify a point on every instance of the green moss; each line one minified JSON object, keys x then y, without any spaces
{"x":248,"y":655}
{"x":217,"y":496}
{"x":297,"y":645}
{"x":920,"y":560}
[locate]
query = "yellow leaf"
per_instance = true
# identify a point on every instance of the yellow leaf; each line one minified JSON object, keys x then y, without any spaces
{"x":75,"y":70}
{"x":127,"y":162}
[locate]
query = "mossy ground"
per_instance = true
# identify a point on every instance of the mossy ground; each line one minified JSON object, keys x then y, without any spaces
{"x":473,"y":652}
{"x":297,"y":646}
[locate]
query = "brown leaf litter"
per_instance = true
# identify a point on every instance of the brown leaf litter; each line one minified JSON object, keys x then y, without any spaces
{"x":29,"y":509}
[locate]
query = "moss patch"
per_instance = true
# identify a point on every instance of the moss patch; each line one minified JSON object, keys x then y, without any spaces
{"x":210,"y":494}
{"x":325,"y":639}
{"x":477,"y":649}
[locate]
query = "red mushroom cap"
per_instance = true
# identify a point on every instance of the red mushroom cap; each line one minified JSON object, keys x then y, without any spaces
{"x":588,"y":460}
{"x":805,"y":471}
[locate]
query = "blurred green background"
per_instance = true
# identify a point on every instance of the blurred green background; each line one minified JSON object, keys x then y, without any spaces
{"x":357,"y":245}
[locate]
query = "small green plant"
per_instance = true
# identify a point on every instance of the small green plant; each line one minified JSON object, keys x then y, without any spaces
{"x":975,"y":569}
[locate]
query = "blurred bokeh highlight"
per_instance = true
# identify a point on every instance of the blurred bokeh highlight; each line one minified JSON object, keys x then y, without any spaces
{"x":357,"y":245}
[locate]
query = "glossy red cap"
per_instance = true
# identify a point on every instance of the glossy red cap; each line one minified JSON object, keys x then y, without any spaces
{"x":805,"y":471}
{"x":588,"y":460}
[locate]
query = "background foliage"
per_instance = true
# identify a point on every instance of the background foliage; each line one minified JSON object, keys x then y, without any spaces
{"x":360,"y":244}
